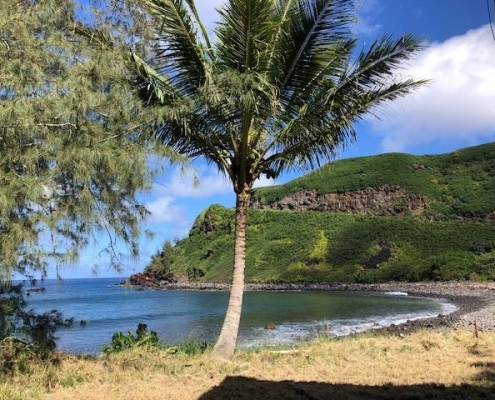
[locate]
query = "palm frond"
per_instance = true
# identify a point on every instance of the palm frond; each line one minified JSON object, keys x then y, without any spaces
{"x":153,"y":88}
{"x":313,"y":33}
{"x":192,"y":7}
{"x":180,"y":53}
{"x":383,"y":59}
{"x":193,"y":137}
{"x":325,"y":123}
{"x":244,"y":32}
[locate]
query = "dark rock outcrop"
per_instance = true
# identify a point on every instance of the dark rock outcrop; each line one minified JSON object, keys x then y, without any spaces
{"x":386,"y":200}
{"x":152,"y":279}
{"x":383,"y":255}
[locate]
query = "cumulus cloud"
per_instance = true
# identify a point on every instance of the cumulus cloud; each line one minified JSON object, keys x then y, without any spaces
{"x":200,"y":183}
{"x":457,"y":105}
{"x":167,"y":216}
{"x":367,"y":12}
{"x":173,"y":199}
{"x":177,"y":198}
{"x":162,"y":209}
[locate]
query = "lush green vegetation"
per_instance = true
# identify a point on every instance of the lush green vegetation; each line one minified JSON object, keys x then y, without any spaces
{"x":148,"y":339}
{"x":121,"y":341}
{"x":461,"y":183}
{"x":311,"y":246}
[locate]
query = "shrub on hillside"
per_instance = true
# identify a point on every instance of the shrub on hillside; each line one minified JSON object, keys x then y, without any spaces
{"x":483,"y":268}
{"x":480,"y":246}
{"x":451,"y":266}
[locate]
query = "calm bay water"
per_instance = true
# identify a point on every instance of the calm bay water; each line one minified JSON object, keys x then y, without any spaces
{"x":177,"y":315}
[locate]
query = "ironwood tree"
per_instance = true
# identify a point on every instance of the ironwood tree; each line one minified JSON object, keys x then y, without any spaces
{"x":72,"y":151}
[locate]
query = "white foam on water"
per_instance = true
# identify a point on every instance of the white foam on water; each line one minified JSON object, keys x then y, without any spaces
{"x":283,"y":335}
{"x":289,"y":334}
{"x":396,"y":293}
{"x":346,"y":327}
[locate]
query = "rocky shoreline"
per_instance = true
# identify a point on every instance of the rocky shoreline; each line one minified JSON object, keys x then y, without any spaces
{"x":475,"y":301}
{"x":475,"y":304}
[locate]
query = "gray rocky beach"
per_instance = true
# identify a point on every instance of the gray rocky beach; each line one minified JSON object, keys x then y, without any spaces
{"x":474,"y":301}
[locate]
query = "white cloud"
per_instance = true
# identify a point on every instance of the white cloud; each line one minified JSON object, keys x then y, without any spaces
{"x":208,"y":183}
{"x":162,"y":209}
{"x":167,"y":216}
{"x":181,"y":188}
{"x":367,"y":13}
{"x":178,"y":198}
{"x":458,"y":104}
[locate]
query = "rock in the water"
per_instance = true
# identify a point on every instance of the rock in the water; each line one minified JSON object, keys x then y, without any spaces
{"x":270,"y":325}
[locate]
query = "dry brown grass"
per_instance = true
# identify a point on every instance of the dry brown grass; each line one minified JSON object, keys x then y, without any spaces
{"x":453,"y":365}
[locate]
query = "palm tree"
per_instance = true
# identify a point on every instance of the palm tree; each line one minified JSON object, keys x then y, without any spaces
{"x":277,"y":90}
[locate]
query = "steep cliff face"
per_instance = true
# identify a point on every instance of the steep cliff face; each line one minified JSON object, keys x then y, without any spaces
{"x":385,"y":200}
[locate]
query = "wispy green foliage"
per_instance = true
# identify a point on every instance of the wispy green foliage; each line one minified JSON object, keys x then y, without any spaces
{"x":23,"y":332}
{"x":72,"y":157}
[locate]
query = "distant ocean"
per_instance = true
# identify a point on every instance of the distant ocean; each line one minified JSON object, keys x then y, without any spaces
{"x":178,"y":315}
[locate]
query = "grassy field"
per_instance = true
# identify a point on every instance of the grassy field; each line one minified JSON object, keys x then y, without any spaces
{"x":426,"y":364}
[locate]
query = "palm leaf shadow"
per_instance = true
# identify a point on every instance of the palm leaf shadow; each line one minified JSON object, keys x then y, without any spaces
{"x":237,"y":387}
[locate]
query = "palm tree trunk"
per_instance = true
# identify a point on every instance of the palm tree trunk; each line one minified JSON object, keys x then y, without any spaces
{"x":225,"y":345}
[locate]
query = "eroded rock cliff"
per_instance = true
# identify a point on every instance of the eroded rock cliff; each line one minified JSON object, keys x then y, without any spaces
{"x":385,"y":200}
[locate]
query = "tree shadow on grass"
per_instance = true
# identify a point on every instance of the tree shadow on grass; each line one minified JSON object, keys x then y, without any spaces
{"x":253,"y":389}
{"x":487,"y":373}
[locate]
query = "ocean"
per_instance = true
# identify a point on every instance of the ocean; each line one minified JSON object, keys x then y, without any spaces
{"x":179,"y":315}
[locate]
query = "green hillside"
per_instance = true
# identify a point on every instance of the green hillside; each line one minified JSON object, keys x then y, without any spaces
{"x":453,"y":237}
{"x":458,"y":184}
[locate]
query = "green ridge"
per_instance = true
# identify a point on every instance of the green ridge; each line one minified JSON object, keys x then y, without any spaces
{"x":452,"y":239}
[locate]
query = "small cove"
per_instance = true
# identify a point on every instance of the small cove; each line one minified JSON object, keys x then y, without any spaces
{"x":178,"y":315}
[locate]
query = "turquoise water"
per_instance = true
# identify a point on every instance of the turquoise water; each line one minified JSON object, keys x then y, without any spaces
{"x":177,"y":315}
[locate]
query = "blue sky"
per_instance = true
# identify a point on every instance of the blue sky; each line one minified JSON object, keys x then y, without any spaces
{"x":456,"y":110}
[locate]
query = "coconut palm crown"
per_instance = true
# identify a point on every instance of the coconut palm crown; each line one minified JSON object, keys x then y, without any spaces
{"x":279,"y":88}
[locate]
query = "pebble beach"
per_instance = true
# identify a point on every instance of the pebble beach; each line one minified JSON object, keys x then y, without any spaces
{"x":474,"y":301}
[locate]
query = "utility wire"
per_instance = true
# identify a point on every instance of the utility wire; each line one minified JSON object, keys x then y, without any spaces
{"x":490,"y":16}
